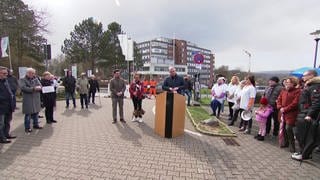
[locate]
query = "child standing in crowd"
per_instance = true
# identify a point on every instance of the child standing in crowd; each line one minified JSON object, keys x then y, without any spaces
{"x":261,"y":116}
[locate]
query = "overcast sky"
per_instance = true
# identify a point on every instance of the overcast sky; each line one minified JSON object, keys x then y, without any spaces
{"x":275,"y":32}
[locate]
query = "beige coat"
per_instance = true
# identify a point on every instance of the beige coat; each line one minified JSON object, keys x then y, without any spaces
{"x":83,"y":85}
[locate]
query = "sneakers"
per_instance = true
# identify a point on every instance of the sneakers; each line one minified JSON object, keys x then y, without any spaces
{"x":28,"y":130}
{"x":4,"y":141}
{"x":37,"y":127}
{"x":247,"y":131}
{"x":140,"y":120}
{"x":242,"y":129}
{"x":257,"y":136}
{"x":260,"y":138}
{"x":122,"y":120}
{"x":137,"y":119}
{"x":134,"y":119}
{"x":297,"y":156}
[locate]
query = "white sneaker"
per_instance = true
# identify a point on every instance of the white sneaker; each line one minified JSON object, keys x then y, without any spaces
{"x":140,"y":120}
{"x":297,"y":156}
{"x":134,"y":119}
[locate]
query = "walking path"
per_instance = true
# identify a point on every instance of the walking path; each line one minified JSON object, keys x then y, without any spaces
{"x":84,"y":144}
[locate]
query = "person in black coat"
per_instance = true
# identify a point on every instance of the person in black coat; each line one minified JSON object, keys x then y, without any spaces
{"x":174,"y":83}
{"x":13,"y":82}
{"x":188,"y":88}
{"x":48,"y":97}
{"x":69,"y":83}
{"x":307,"y":130}
{"x":93,"y":88}
{"x":6,"y":106}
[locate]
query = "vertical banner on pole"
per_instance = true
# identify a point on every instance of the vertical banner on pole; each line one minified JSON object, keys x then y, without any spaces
{"x":89,"y":73}
{"x":4,"y":46}
{"x":74,"y":71}
{"x":22,"y":72}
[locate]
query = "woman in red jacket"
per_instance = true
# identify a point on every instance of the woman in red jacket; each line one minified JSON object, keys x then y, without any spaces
{"x":137,"y":94}
{"x":287,"y":104}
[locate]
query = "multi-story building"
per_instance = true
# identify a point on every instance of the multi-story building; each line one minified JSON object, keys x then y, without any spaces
{"x":161,"y":53}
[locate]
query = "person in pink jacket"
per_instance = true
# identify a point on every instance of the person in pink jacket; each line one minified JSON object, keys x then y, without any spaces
{"x":261,"y":117}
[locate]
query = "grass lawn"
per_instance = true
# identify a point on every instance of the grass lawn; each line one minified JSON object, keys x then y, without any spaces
{"x":198,"y":114}
{"x":205,"y":101}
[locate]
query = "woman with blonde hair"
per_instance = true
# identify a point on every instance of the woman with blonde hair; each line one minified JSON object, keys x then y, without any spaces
{"x":232,"y":87}
{"x":48,"y":96}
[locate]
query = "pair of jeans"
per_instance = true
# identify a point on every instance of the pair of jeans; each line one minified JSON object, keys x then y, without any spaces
{"x":189,"y":94}
{"x":92,"y":94}
{"x":27,"y":119}
{"x":84,"y":97}
{"x":5,"y":120}
{"x":117,"y":101}
{"x":68,"y":96}
{"x":215,"y":104}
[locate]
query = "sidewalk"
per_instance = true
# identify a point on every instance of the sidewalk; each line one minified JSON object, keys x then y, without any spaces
{"x":84,"y":144}
{"x":255,"y":128}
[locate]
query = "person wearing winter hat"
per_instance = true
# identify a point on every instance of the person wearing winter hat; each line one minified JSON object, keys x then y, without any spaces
{"x":261,"y":117}
{"x":272,"y":93}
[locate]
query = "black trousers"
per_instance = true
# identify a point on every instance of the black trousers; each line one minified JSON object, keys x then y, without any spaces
{"x":274,"y":116}
{"x":92,"y":94}
{"x":49,"y":112}
{"x":230,"y":109}
{"x":244,"y":123}
{"x":137,"y":103}
{"x":235,"y":116}
{"x":312,"y":139}
{"x":84,"y":97}
{"x":5,"y":120}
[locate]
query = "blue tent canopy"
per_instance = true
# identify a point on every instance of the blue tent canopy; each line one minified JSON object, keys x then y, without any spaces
{"x":299,"y":72}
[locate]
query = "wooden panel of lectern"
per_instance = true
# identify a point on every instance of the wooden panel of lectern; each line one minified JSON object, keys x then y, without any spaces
{"x":170,"y":114}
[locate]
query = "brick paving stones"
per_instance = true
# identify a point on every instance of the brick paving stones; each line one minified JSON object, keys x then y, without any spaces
{"x":84,"y":144}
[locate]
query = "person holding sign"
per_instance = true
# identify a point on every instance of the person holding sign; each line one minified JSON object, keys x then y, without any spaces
{"x":174,"y":83}
{"x":48,"y":96}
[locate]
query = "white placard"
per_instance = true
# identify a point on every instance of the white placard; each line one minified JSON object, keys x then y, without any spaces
{"x":47,"y":89}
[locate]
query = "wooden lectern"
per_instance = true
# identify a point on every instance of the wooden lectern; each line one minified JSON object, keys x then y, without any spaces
{"x":170,"y":114}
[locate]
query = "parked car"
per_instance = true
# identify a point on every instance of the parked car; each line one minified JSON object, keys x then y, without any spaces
{"x":261,"y":89}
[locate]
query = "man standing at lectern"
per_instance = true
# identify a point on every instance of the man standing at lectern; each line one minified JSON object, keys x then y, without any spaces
{"x":174,"y":83}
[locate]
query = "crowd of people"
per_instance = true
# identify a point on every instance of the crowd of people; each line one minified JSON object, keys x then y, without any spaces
{"x":293,"y":107}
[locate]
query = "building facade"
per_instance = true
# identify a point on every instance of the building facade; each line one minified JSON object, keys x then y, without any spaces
{"x":161,"y":53}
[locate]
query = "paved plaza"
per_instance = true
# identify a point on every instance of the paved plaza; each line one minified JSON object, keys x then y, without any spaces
{"x":84,"y":144}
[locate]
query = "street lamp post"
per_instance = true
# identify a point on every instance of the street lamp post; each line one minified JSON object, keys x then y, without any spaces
{"x":249,"y":55}
{"x":317,"y":38}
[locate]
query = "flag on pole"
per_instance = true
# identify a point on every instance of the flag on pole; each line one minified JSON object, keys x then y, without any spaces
{"x":123,"y":40}
{"x":4,"y":47}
